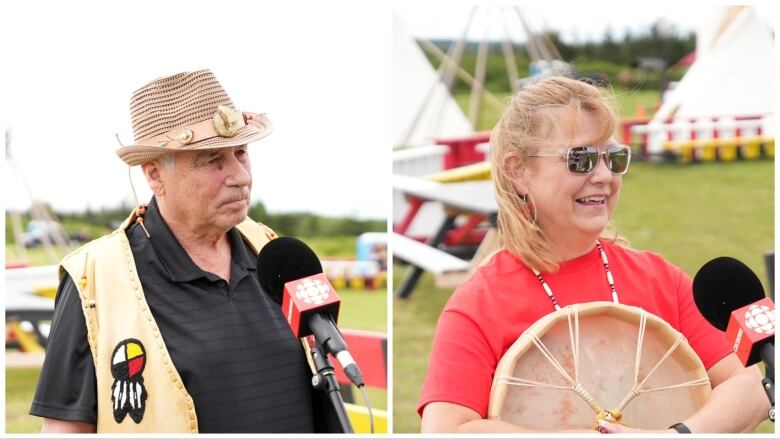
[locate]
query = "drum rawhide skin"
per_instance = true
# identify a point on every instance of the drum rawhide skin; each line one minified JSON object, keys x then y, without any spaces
{"x":598,"y":359}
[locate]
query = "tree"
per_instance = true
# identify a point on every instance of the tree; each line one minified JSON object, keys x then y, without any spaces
{"x":609,"y":47}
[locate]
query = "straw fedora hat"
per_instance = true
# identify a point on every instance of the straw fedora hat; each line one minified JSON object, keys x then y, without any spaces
{"x":187,"y":111}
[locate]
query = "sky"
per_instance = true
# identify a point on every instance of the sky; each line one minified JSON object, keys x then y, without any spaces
{"x":321,"y":76}
{"x":574,"y":20}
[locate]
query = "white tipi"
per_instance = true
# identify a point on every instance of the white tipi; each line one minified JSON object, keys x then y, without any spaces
{"x":422,"y":106}
{"x":734,"y":72}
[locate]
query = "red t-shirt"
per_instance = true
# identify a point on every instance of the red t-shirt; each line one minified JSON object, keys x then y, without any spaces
{"x":484,"y":317}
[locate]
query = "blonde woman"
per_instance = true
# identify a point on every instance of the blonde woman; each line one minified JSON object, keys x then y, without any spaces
{"x":557,"y":171}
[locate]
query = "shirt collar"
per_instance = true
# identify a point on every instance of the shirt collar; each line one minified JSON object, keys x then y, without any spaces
{"x":243,"y":259}
{"x":175,"y":259}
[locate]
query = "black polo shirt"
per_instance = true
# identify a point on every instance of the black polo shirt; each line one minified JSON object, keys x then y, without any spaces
{"x":233,"y":349}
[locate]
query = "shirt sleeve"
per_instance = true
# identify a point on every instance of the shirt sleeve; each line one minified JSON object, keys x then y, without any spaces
{"x":462,"y":363}
{"x":707,"y":341}
{"x":67,"y":388}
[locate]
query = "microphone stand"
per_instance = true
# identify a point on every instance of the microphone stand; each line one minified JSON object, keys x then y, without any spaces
{"x":769,"y":387}
{"x":325,"y":380}
{"x":767,"y":354}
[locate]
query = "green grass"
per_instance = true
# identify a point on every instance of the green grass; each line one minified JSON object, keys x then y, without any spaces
{"x":414,"y":323}
{"x":693,"y":213}
{"x":626,"y":102}
{"x":19,"y":391}
{"x":332,"y":246}
{"x":688,"y":213}
{"x":35,"y":255}
{"x":488,"y":115}
{"x":363,"y":309}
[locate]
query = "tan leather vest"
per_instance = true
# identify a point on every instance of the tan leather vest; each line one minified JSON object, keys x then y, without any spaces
{"x":129,"y":354}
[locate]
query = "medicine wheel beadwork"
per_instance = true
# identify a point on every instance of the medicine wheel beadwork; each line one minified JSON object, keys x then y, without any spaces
{"x":128,"y":393}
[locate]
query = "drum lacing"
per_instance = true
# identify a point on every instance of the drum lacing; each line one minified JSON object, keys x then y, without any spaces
{"x":637,"y":389}
{"x":574,"y":337}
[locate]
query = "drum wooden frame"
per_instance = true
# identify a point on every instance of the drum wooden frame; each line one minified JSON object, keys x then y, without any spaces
{"x":585,"y":358}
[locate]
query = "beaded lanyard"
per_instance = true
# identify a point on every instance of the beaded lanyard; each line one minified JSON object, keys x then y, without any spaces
{"x":610,"y":279}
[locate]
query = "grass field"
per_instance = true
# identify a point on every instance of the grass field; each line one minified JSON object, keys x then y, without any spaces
{"x":688,"y":213}
{"x":19,"y":391}
{"x":627,"y":101}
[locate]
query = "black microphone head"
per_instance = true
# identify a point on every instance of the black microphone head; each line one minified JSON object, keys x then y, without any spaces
{"x":283,"y":260}
{"x":723,"y":285}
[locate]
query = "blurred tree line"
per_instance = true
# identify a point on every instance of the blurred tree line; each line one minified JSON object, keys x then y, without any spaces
{"x":92,"y":223}
{"x":309,"y":224}
{"x":619,"y":58}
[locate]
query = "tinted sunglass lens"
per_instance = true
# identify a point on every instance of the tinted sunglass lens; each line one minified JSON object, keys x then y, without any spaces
{"x":582,"y":159}
{"x":619,"y":158}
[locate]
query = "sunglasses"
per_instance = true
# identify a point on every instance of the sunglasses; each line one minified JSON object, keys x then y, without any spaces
{"x":584,"y":159}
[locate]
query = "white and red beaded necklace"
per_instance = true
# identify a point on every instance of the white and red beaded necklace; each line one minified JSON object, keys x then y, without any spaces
{"x":610,"y":279}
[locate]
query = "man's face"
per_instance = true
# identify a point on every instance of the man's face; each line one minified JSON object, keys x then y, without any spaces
{"x":208,"y":190}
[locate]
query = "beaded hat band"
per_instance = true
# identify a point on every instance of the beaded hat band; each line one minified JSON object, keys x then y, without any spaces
{"x":187,"y":111}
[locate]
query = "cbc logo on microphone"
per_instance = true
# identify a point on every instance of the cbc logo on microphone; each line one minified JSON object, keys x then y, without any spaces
{"x":761,"y":319}
{"x":312,"y":291}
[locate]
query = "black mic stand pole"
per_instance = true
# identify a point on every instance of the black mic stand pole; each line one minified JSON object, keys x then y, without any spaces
{"x":325,"y":380}
{"x":768,"y":355}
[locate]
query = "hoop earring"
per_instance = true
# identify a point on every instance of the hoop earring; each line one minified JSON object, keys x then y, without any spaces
{"x":528,"y":204}
{"x":523,"y":198}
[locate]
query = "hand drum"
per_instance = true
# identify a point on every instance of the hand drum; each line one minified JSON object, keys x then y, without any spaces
{"x":583,"y":359}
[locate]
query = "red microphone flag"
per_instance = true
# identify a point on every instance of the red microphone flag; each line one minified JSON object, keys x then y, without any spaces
{"x":749,"y":327}
{"x":307,"y":296}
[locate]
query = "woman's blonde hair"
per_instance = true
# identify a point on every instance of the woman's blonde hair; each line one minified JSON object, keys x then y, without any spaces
{"x":533,"y":115}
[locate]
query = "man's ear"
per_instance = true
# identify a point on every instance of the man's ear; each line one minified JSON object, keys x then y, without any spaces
{"x":516,"y":167}
{"x":152,"y":172}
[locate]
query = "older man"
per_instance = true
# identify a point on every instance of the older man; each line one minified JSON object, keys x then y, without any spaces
{"x":162,"y":326}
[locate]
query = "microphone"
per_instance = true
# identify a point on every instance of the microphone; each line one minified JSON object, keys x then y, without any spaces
{"x":291,"y":274}
{"x":730,"y":296}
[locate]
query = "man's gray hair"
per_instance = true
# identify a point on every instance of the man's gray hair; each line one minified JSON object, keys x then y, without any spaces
{"x":168,"y":160}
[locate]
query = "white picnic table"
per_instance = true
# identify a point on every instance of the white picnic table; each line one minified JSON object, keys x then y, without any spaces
{"x":461,"y":198}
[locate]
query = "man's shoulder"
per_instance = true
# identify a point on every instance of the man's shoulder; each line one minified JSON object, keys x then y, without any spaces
{"x":255,"y":233}
{"x":251,"y":226}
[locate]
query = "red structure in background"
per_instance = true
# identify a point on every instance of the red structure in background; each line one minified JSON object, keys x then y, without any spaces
{"x":17,"y":264}
{"x":627,"y":123}
{"x":369,"y":350}
{"x":463,"y":150}
{"x":414,"y":207}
